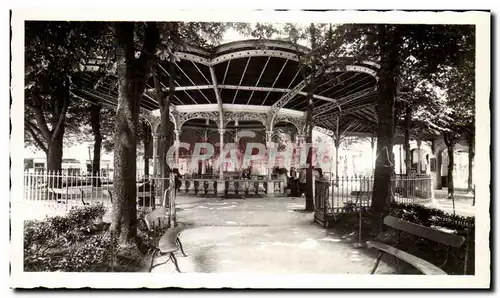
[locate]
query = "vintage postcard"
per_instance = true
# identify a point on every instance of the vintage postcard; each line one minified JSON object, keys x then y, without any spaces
{"x":250,"y":149}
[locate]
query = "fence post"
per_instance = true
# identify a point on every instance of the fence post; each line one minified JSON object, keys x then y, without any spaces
{"x":29,"y":184}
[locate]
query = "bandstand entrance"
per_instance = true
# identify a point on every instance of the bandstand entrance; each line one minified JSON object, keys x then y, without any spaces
{"x":256,"y":86}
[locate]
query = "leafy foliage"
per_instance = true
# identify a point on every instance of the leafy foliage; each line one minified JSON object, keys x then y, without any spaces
{"x":93,"y":255}
{"x":431,"y":217}
{"x":63,"y":243}
{"x":53,"y":52}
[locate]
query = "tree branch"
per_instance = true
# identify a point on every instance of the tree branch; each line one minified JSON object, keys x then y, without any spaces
{"x":31,"y":128}
{"x":151,"y":40}
{"x":62,"y":115}
{"x":158,"y":91}
{"x":124,"y":32}
{"x":40,"y":118}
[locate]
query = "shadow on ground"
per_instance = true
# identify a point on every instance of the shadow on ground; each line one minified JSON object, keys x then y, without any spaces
{"x":264,"y":236}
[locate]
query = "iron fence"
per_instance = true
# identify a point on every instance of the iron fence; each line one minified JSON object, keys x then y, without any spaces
{"x":63,"y":190}
{"x":346,"y":193}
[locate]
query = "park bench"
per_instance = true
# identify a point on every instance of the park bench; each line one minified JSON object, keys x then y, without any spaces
{"x":450,"y":240}
{"x":168,"y":242}
{"x":141,"y":196}
{"x":62,"y":195}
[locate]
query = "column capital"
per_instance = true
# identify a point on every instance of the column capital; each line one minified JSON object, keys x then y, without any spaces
{"x":222,"y":131}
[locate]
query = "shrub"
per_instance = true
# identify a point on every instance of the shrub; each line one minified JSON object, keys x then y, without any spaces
{"x":94,"y":254}
{"x":87,"y":214}
{"x":46,"y":241}
{"x":432,"y":217}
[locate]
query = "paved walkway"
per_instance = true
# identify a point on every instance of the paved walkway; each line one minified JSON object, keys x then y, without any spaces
{"x":267,"y":236}
{"x":463,"y":202}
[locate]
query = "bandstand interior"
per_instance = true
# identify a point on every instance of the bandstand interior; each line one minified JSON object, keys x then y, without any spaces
{"x":252,"y":85}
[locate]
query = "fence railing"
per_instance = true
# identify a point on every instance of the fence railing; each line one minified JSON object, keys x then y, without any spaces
{"x":65,"y":190}
{"x":356,"y":192}
{"x":232,"y":186}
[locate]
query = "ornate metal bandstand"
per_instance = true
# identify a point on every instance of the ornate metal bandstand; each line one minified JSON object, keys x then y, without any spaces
{"x":250,"y":85}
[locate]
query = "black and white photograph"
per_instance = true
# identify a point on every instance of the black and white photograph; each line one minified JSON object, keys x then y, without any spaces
{"x":287,"y":149}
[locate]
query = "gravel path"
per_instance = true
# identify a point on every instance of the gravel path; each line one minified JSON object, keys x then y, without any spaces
{"x":267,"y":236}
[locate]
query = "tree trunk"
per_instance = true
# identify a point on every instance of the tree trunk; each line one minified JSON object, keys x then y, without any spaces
{"x":439,"y":162}
{"x":309,"y":173}
{"x":95,"y":121}
{"x":310,"y":107}
{"x":389,"y":43}
{"x":56,"y":135}
{"x":54,"y":161}
{"x":147,"y":142}
{"x":165,"y":137}
{"x":450,"y":144}
{"x":131,"y":84}
{"x":55,"y":153}
{"x":471,"y":161}
{"x":407,"y":140}
{"x":337,"y":146}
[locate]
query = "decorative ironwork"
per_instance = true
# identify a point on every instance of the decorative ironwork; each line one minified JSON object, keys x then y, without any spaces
{"x":336,"y":104}
{"x":241,"y":79}
{"x":246,"y":88}
{"x":269,"y":136}
{"x":333,"y":115}
{"x":354,"y":68}
{"x":192,"y":57}
{"x":236,"y":187}
{"x":298,"y":122}
{"x":254,"y":53}
{"x":205,"y":187}
{"x":261,"y":44}
{"x":217,"y":95}
{"x":238,"y":116}
{"x":289,"y":95}
{"x":183,"y":117}
{"x":324,"y":131}
{"x":196,"y":186}
{"x":258,"y":80}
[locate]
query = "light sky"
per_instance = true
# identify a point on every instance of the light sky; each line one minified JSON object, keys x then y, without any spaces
{"x":233,"y":35}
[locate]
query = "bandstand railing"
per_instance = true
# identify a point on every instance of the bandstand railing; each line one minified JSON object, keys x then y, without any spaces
{"x":348,"y":194}
{"x":234,"y":186}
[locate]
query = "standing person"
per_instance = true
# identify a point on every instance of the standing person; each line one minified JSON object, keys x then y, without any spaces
{"x":177,"y":179}
{"x":302,"y":181}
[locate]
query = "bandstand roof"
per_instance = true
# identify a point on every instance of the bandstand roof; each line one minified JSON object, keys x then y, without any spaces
{"x":257,"y":75}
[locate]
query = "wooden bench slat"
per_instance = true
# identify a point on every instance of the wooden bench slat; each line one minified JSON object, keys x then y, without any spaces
{"x":424,"y":232}
{"x":422,"y":265}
